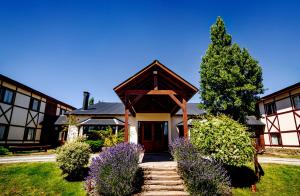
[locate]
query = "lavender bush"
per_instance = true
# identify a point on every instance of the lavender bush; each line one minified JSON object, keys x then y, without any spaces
{"x":204,"y":177}
{"x":182,"y":149}
{"x":201,"y":176}
{"x":115,"y":170}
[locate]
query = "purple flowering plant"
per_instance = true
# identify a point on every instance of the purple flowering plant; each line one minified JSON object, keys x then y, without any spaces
{"x":114,"y":171}
{"x":202,"y":176}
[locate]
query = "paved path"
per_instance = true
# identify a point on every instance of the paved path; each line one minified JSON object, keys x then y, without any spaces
{"x":287,"y":161}
{"x":51,"y":158}
{"x":30,"y":158}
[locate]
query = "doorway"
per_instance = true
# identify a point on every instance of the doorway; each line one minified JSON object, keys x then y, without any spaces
{"x":153,"y":135}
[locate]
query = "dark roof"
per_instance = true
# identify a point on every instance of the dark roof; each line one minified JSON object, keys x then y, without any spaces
{"x":62,"y":120}
{"x":113,"y":108}
{"x":284,"y":90}
{"x":192,"y":109}
{"x":102,"y":108}
{"x":111,"y":121}
{"x":20,"y":85}
{"x":252,"y":120}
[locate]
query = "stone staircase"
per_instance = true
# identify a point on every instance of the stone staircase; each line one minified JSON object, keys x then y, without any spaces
{"x":162,"y":179}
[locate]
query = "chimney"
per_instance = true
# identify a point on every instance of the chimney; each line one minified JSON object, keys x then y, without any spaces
{"x":85,"y":103}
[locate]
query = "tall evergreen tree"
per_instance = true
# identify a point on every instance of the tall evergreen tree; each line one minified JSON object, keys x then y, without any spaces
{"x":230,"y":79}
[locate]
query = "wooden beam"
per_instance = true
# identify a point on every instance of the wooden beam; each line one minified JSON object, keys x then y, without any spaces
{"x":136,"y":99}
{"x":155,"y":80}
{"x":150,"y":92}
{"x":184,"y":118}
{"x":126,"y":127}
{"x":176,"y":100}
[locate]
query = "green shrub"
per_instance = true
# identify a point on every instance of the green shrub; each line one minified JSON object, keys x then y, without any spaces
{"x":95,"y":145}
{"x":223,"y":139}
{"x":73,"y":157}
{"x":111,"y":139}
{"x":93,"y":135}
{"x":3,"y":150}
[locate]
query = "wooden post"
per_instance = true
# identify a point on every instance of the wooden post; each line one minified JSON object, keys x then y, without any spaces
{"x":184,"y":118}
{"x":126,"y":120}
{"x":155,"y":80}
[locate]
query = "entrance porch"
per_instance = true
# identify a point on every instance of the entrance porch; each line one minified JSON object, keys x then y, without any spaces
{"x":159,"y":91}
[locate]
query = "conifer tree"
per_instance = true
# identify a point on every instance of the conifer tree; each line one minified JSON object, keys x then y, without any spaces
{"x":230,"y":79}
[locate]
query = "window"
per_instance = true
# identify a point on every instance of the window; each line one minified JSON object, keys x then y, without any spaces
{"x":296,"y":101}
{"x":34,"y":104}
{"x":270,"y":108}
{"x":29,"y":134}
{"x":6,"y":95}
{"x":275,"y":138}
{"x":3,"y":129}
{"x":62,"y":111}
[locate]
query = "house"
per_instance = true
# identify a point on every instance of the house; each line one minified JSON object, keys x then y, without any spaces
{"x":27,"y":116}
{"x":153,"y":111}
{"x":280,"y":112}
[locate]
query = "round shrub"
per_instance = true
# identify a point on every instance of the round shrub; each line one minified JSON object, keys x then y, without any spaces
{"x":3,"y":150}
{"x":95,"y":145}
{"x":223,"y":139}
{"x":114,"y":171}
{"x":73,"y":157}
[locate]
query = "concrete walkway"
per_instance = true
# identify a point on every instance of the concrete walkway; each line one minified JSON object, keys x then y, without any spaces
{"x":286,"y":161}
{"x":31,"y":158}
{"x":51,"y":158}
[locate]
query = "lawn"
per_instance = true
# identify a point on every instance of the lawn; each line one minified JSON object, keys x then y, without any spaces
{"x":278,"y":180}
{"x":46,"y":179}
{"x":36,"y":179}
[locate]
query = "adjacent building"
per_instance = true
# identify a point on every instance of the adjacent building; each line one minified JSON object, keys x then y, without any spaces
{"x":280,"y":112}
{"x":27,"y":116}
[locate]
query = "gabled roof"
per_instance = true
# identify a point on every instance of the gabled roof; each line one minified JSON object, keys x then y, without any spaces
{"x":27,"y":88}
{"x":150,"y":90}
{"x":284,"y":90}
{"x":101,"y":121}
{"x":155,"y":63}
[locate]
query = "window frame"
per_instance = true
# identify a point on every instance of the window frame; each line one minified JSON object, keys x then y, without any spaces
{"x":3,"y":90}
{"x":279,"y":138}
{"x":26,"y":134}
{"x":274,"y":108}
{"x":5,"y":134}
{"x":293,"y":100}
{"x":31,"y":104}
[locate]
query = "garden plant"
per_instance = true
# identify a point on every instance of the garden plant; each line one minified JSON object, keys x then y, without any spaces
{"x":115,"y":171}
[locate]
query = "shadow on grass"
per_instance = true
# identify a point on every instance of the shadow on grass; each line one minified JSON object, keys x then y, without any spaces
{"x":78,"y":176}
{"x":241,"y":177}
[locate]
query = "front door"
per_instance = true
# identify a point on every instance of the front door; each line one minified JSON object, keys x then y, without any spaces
{"x":153,"y":136}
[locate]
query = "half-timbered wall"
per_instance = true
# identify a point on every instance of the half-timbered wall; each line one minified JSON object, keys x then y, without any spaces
{"x":283,"y":124}
{"x":23,"y":118}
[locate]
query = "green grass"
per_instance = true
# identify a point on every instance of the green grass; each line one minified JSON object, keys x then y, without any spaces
{"x":36,"y":179}
{"x":46,"y":179}
{"x":278,"y":180}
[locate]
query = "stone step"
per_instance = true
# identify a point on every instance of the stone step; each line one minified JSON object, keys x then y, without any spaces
{"x":166,"y":173}
{"x":163,"y":182}
{"x":162,"y":188}
{"x":160,"y":168}
{"x":161,"y":177}
{"x":163,"y":193}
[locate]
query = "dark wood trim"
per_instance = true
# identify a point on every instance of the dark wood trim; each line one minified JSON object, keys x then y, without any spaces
{"x":184,"y":118}
{"x":150,"y":92}
{"x":282,"y":145}
{"x":126,"y":127}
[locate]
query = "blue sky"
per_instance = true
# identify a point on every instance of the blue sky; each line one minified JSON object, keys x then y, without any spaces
{"x":63,"y":48}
